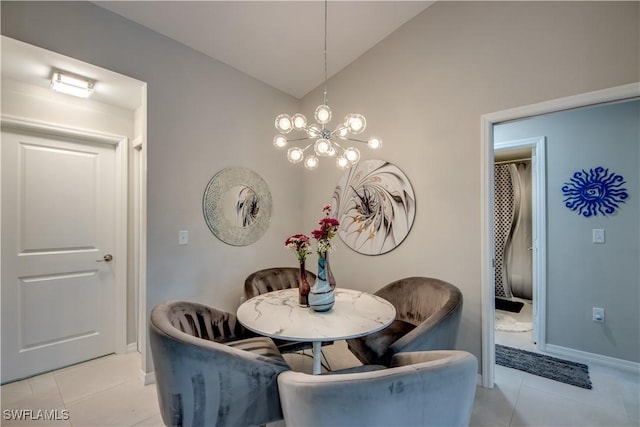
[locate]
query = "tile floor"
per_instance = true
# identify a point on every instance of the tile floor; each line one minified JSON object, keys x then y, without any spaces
{"x":108,"y":392}
{"x":530,"y":400}
{"x":517,"y":339}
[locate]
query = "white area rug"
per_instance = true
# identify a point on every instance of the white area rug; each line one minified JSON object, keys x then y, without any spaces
{"x":506,"y":323}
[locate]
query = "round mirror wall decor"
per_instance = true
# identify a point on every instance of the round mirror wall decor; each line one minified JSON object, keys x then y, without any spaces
{"x":375,"y":204}
{"x":237,"y":206}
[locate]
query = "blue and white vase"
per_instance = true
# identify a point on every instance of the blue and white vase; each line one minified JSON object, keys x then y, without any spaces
{"x":321,"y":296}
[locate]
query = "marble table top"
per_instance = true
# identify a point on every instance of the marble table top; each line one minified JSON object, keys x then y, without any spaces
{"x":277,"y":315}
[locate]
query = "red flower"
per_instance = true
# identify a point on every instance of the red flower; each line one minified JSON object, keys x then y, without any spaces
{"x":299,"y":243}
{"x":327,"y":230}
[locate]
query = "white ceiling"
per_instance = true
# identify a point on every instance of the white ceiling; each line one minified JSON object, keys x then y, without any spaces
{"x":280,"y":43}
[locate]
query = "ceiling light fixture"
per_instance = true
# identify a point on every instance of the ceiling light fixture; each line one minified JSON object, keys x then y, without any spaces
{"x":325,"y":142}
{"x":71,"y":84}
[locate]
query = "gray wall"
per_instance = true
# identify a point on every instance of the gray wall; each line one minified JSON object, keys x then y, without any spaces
{"x":202,"y":116}
{"x":582,"y":275}
{"x":422,"y":89}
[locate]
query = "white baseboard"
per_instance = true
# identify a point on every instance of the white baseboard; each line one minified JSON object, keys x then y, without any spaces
{"x":479,"y":380}
{"x":585,"y":357}
{"x":131,"y":347}
{"x":147,"y":377}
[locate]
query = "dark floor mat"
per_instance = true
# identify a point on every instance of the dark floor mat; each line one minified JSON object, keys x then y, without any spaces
{"x":506,"y":305}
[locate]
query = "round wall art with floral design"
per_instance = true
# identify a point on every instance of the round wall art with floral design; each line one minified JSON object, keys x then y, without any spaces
{"x":593,"y":192}
{"x":376,"y":206}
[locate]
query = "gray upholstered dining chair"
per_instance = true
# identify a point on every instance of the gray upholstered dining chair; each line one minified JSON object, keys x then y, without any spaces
{"x":428,"y":313}
{"x":274,"y":279}
{"x":430,"y":388}
{"x":208,"y":373}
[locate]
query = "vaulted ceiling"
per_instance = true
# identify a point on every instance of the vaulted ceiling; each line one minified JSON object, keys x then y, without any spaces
{"x":280,"y":43}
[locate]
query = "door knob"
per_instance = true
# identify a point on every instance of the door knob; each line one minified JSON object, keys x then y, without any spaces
{"x":106,"y":258}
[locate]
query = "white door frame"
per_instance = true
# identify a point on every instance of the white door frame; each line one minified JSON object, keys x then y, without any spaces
{"x":120,"y":251}
{"x":487,"y":121}
{"x":538,"y":230}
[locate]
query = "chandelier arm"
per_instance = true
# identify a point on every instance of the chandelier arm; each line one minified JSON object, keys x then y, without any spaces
{"x":333,"y":142}
{"x":298,"y":139}
{"x":352,"y":139}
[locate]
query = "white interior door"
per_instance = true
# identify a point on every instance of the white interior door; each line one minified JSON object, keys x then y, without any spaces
{"x":535,"y":248}
{"x":58,"y":226}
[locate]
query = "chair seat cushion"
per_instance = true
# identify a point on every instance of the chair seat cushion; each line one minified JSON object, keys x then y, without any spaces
{"x":373,"y":347}
{"x":380,"y":341}
{"x":260,"y":345}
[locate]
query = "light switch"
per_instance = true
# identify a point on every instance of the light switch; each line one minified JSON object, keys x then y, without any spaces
{"x":598,"y":235}
{"x":183,"y":237}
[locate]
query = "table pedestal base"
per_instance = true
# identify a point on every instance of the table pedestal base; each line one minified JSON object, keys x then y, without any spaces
{"x":317,"y":357}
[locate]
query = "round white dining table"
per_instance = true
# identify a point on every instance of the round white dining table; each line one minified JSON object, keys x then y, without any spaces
{"x":277,"y":314}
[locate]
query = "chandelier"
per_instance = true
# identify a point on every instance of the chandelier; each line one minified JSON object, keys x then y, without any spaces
{"x":325,"y":142}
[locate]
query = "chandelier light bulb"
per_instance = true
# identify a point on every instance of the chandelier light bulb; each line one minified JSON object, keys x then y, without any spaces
{"x":322,"y":147}
{"x":352,"y":154}
{"x":311,"y":162}
{"x":323,"y":114}
{"x":295,"y":154}
{"x":374,"y":143}
{"x":332,"y":151}
{"x":299,"y":121}
{"x":342,"y":132}
{"x":342,"y":162}
{"x":314,"y":131}
{"x":280,"y":141}
{"x":283,"y":123}
{"x":356,"y":123}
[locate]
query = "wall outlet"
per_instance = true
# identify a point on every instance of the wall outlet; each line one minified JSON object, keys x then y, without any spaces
{"x":598,"y":315}
{"x":183,"y":237}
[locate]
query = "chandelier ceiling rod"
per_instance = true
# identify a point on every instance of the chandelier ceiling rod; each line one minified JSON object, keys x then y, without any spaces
{"x":325,"y":101}
{"x":324,"y":141}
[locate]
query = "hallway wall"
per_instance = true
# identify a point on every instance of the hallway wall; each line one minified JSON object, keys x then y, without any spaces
{"x":218,"y":117}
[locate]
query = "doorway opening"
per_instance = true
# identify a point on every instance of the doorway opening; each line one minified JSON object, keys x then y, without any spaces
{"x":487,"y":202}
{"x":520,"y":243}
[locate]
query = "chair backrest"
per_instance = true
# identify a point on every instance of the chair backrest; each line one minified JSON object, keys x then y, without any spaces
{"x":428,"y":313}
{"x":417,"y":298}
{"x":202,"y":321}
{"x":433,"y":305}
{"x":434,"y":388}
{"x":203,"y":382}
{"x":273,"y":279}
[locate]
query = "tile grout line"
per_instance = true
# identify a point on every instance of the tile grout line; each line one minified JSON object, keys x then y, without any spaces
{"x":515,"y":402}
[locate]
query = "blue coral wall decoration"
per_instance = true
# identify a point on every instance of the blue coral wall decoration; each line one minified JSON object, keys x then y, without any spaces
{"x":593,"y":192}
